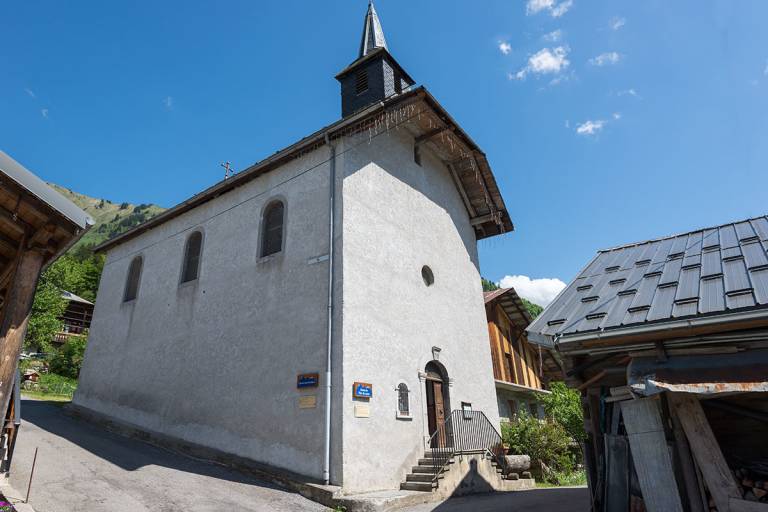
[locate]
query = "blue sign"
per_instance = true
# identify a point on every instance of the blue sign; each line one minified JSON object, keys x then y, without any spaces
{"x":307,"y":380}
{"x":362,"y":390}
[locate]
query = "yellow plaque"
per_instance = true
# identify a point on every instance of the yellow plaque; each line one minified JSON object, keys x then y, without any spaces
{"x":362,"y":411}
{"x":308,"y":402}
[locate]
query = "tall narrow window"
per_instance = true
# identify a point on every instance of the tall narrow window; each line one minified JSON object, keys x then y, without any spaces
{"x":192,"y":251}
{"x":361,"y":81}
{"x":403,"y":402}
{"x":133,"y":280}
{"x":272,"y":229}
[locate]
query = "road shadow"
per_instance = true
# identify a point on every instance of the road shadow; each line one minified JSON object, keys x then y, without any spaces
{"x":127,"y":453}
{"x":555,"y":499}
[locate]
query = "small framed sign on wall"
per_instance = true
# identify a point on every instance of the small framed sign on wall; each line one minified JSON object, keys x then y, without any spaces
{"x":307,"y":380}
{"x":466,"y":410}
{"x":362,"y":390}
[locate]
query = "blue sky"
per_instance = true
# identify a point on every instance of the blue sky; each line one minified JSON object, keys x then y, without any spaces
{"x":605,"y":122}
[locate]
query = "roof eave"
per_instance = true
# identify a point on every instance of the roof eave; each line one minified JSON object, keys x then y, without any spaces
{"x":676,"y":328}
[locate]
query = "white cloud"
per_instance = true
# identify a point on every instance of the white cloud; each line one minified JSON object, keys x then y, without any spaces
{"x":545,"y":61}
{"x":605,"y":58}
{"x":505,"y":47}
{"x":44,"y":112}
{"x":590,"y":127}
{"x":593,"y":127}
{"x":555,"y":10}
{"x":561,"y":8}
{"x":616,"y":23}
{"x":628,"y":92}
{"x":168,"y":102}
{"x":30,"y":92}
{"x":539,"y":291}
{"x":553,"y":36}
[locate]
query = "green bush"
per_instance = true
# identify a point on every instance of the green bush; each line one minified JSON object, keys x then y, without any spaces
{"x":543,"y":440}
{"x":563,"y":405}
{"x":68,"y":360}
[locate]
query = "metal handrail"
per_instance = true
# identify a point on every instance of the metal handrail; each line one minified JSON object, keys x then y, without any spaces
{"x":465,"y":432}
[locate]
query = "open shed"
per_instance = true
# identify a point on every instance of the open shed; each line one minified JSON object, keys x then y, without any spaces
{"x":37,"y":224}
{"x":668,"y":342}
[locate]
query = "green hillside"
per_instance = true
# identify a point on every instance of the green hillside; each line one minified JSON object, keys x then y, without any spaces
{"x":110,"y":218}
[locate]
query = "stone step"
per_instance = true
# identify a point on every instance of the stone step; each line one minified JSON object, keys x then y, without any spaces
{"x":431,"y":462}
{"x":419,"y":477}
{"x":418,"y":486}
{"x":425,"y":469}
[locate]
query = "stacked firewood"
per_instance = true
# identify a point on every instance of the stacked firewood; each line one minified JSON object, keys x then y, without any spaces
{"x":754,"y":487}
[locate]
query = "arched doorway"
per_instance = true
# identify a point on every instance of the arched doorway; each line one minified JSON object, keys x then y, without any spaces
{"x":438,"y":402}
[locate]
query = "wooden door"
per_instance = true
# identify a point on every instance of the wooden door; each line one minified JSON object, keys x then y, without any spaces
{"x":436,"y":413}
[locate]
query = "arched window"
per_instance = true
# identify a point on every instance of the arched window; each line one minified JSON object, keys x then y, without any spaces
{"x":192,"y":252}
{"x":133,"y":280}
{"x":403,"y":402}
{"x":272,"y":229}
{"x":427,"y":275}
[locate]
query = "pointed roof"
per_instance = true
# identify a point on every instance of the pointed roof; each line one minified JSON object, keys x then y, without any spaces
{"x":373,"y":35}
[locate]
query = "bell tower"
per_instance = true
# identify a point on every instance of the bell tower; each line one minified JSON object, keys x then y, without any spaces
{"x":375,"y":75}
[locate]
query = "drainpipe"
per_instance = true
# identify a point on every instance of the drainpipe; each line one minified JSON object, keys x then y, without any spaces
{"x":328,"y":372}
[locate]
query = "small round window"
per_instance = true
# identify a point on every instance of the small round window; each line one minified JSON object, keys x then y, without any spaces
{"x":427,"y":275}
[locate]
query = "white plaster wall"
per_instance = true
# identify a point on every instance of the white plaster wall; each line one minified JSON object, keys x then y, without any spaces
{"x":215,"y":361}
{"x":399,"y":216}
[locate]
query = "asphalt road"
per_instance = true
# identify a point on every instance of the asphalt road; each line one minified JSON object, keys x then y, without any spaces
{"x":562,"y":499}
{"x":82,"y":468}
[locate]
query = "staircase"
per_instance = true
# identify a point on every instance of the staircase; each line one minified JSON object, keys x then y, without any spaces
{"x":462,"y":433}
{"x":427,"y":474}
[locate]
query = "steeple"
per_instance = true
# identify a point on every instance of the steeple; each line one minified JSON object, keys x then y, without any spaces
{"x":373,"y":34}
{"x":375,"y":75}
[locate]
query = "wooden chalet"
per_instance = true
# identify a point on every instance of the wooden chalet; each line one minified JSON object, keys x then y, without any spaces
{"x":668,"y":342}
{"x":37,"y":224}
{"x":76,"y":319}
{"x":521,"y":369}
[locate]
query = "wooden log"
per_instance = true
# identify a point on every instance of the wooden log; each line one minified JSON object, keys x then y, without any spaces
{"x":653,"y":463}
{"x":15,"y":318}
{"x":518,"y":463}
{"x":706,"y":451}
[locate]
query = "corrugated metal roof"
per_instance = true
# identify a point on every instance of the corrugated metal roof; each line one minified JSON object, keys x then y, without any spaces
{"x":74,"y":298}
{"x":705,"y":272}
{"x":39,"y":189}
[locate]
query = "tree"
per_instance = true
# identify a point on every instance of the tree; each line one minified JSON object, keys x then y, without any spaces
{"x":44,"y":321}
{"x":534,"y":309}
{"x":488,"y":285}
{"x":69,"y":359}
{"x":563,"y":405}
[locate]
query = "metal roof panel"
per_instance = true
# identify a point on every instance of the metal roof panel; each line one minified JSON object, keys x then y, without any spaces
{"x":704,"y":272}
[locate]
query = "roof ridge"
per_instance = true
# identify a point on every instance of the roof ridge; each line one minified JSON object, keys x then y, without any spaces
{"x":667,"y":237}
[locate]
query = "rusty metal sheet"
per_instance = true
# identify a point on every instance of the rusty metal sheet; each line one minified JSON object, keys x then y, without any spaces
{"x":741,"y":372}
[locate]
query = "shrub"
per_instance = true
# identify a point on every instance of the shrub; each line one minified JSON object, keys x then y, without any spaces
{"x":543,"y":440}
{"x":563,"y":405}
{"x":69,"y":358}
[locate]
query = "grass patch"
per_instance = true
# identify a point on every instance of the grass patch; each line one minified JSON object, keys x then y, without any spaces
{"x":46,"y":397}
{"x":50,"y":386}
{"x":572,"y":479}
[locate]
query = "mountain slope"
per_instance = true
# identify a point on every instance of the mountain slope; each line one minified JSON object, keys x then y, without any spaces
{"x":110,"y":219}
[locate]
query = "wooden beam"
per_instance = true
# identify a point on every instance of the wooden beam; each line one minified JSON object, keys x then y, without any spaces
{"x":703,"y":443}
{"x":19,"y":224}
{"x":421,"y":139}
{"x":653,"y":463}
{"x":695,"y":502}
{"x":15,"y":317}
{"x":467,"y":203}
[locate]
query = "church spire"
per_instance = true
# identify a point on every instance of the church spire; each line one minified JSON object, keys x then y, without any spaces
{"x":373,"y":35}
{"x":375,"y":75}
